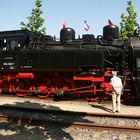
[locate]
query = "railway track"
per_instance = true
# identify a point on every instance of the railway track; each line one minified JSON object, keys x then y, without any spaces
{"x":59,"y":118}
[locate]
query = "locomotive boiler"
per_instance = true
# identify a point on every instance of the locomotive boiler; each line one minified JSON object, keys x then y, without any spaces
{"x":33,"y":64}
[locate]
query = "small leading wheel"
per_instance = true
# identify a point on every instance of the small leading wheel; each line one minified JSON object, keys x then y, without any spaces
{"x":92,"y":97}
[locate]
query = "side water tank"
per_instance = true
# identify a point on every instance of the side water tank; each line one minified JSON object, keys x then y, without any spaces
{"x":67,"y":34}
{"x":111,"y":32}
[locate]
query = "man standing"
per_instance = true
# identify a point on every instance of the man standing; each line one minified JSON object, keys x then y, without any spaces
{"x":116,"y":84}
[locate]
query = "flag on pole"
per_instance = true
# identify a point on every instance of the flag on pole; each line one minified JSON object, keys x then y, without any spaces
{"x":86,"y":26}
{"x":64,"y":24}
{"x":110,"y":23}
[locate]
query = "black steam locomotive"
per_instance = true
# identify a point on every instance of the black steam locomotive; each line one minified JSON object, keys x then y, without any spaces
{"x":33,"y":64}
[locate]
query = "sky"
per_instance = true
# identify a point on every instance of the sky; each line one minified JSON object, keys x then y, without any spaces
{"x":74,"y":12}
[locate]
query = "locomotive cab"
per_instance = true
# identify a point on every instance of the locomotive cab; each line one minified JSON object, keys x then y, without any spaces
{"x":16,"y":39}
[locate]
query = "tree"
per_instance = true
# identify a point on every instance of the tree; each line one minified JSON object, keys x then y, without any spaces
{"x":128,"y":22}
{"x":35,"y":22}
